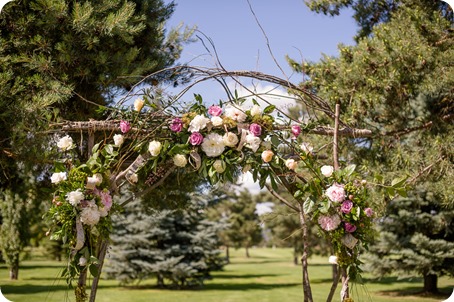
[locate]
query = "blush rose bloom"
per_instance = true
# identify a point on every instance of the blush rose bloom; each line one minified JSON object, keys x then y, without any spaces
{"x":336,"y":193}
{"x":180,"y":160}
{"x":176,"y":125}
{"x":154,"y":148}
{"x":369,"y":212}
{"x":291,"y":164}
{"x":66,"y":143}
{"x":235,"y":113}
{"x":267,"y":156}
{"x":198,"y":123}
{"x":329,"y":223}
{"x":349,"y":227}
{"x":215,"y":110}
{"x":347,"y":206}
{"x":138,"y":105}
{"x":217,"y":121}
{"x":255,"y":129}
{"x":230,"y":139}
{"x":58,"y":177}
{"x":327,"y":171}
{"x":125,"y":126}
{"x":195,"y":139}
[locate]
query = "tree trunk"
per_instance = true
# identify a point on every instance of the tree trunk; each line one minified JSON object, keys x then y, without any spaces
{"x":430,"y":283}
{"x":295,"y":253}
{"x":306,"y":283}
{"x":247,"y":252}
{"x":345,"y":288}
{"x":227,"y":253}
{"x":14,"y":271}
{"x":101,"y":255}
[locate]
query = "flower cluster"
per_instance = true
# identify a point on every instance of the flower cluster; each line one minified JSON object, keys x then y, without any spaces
{"x":344,"y":214}
{"x":82,"y":205}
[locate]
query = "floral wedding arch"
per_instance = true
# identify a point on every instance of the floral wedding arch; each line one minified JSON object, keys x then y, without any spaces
{"x":145,"y":145}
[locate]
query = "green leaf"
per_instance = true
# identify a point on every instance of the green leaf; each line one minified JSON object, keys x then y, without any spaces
{"x":324,"y":206}
{"x":269,"y":109}
{"x":402,"y":192}
{"x":308,"y":205}
{"x":94,"y":271}
{"x":391,"y":192}
{"x":349,"y":170}
{"x":273,"y":183}
{"x":109,"y":149}
{"x":397,"y":182}
{"x":298,"y":194}
{"x":95,"y":148}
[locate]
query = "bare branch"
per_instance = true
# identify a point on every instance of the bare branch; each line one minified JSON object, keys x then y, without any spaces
{"x":281,"y":199}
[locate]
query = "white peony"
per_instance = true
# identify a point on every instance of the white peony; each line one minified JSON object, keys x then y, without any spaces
{"x":118,"y":140}
{"x":230,"y":139}
{"x":66,"y":143}
{"x":90,"y":214}
{"x":154,"y":148}
{"x":217,"y":121}
{"x":327,"y":171}
{"x":180,"y":160}
{"x":235,"y":113}
{"x":253,"y":142}
{"x":58,"y":177}
{"x":213,"y":145}
{"x":255,"y":110}
{"x":198,"y":123}
{"x":219,"y":166}
{"x":74,"y":197}
{"x":138,"y":105}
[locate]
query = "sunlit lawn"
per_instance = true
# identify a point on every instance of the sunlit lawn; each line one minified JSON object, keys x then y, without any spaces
{"x":267,"y":276}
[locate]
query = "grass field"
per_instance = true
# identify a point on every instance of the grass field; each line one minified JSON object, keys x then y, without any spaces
{"x":268,"y":276}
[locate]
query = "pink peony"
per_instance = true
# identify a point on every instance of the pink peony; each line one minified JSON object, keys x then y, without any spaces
{"x":329,"y":223}
{"x":196,"y":139}
{"x":349,"y":227}
{"x":215,"y":110}
{"x":176,"y":125}
{"x":347,"y":206}
{"x":255,"y":129}
{"x":336,"y":193}
{"x":106,"y":200}
{"x":369,"y":212}
{"x":296,"y":130}
{"x":125,"y":126}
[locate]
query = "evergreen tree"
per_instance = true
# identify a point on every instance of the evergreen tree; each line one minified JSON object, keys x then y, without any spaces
{"x":398,"y":82}
{"x":175,"y":245}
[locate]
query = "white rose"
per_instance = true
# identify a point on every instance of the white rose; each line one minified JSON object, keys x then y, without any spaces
{"x":291,"y":164}
{"x":327,"y":171}
{"x":213,"y":145}
{"x":253,"y":142}
{"x":230,"y":139}
{"x":154,"y":148}
{"x":216,"y":121}
{"x":118,"y":140}
{"x":332,"y":259}
{"x":219,"y":166}
{"x":65,"y":143}
{"x":235,"y":113}
{"x":74,"y":197}
{"x":255,"y":110}
{"x":82,"y":261}
{"x":58,"y":177}
{"x":138,"y":105}
{"x":198,"y":123}
{"x":180,"y":160}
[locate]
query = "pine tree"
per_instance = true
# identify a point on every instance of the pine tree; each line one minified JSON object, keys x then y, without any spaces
{"x":179,"y":246}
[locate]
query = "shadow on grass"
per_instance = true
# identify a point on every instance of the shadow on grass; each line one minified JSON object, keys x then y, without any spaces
{"x":220,"y":287}
{"x":24,"y":289}
{"x":247,"y":276}
{"x":443,"y":294}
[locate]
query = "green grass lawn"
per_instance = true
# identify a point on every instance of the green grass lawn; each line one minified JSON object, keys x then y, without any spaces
{"x":268,"y":276}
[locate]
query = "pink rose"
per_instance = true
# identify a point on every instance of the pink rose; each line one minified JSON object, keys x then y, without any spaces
{"x":369,"y":212}
{"x":336,"y":193}
{"x":125,"y":126}
{"x":196,"y":139}
{"x":349,"y":227}
{"x":329,"y":223}
{"x":346,"y":206}
{"x":296,"y":130}
{"x":215,"y":110}
{"x":106,"y":200}
{"x":267,"y":156}
{"x":255,"y":129}
{"x":176,"y":125}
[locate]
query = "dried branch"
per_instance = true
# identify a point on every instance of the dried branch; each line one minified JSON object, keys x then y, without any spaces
{"x":281,"y":199}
